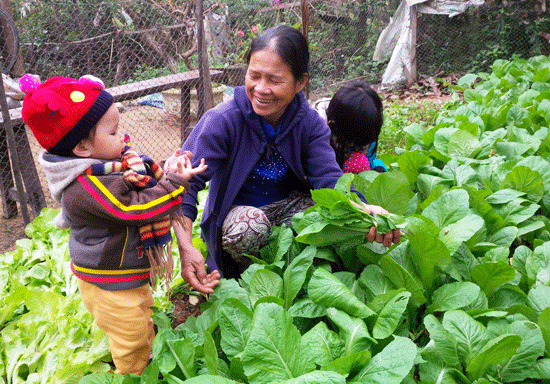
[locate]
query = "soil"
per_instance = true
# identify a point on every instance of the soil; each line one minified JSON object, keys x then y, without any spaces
{"x":186,"y":304}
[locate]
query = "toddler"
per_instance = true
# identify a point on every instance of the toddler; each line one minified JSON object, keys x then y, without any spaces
{"x":118,"y":205}
{"x":355,"y":116}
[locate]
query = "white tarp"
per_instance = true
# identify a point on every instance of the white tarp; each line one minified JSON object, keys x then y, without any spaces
{"x":396,"y":39}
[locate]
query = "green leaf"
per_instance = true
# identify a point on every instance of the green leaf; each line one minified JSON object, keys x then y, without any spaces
{"x":352,"y":330}
{"x":544,"y":325}
{"x":431,"y":254}
{"x":448,"y":208}
{"x":494,"y":352}
{"x":537,"y":261}
{"x":374,"y":280}
{"x":523,"y":179}
{"x":325,"y":289}
{"x":401,"y":278}
{"x":467,"y":80}
{"x":348,"y":364}
{"x":516,"y":116}
{"x":519,"y":367}
{"x":282,"y":245}
{"x":453,"y":296}
{"x":230,"y":288}
{"x":234,"y":319}
{"x":504,"y":237}
{"x":388,"y":318}
{"x":463,"y":261}
{"x":208,"y":379}
{"x":322,"y":233}
{"x":210,"y":353}
{"x":306,"y":308}
{"x":391,"y":365}
{"x":323,"y":344}
{"x":542,"y":369}
{"x":327,"y":197}
{"x":504,"y":196}
{"x":273,"y":351}
{"x":459,"y":232}
{"x":410,"y":162}
{"x":538,"y":298}
{"x":489,"y":276}
{"x":390,"y":190}
{"x":480,"y":202}
{"x":445,"y":343}
{"x":181,"y":354}
{"x":468,"y":333}
{"x":295,"y":274}
{"x":316,"y":377}
{"x":463,"y":144}
{"x":265,"y":283}
{"x":540,"y":165}
{"x":103,"y":378}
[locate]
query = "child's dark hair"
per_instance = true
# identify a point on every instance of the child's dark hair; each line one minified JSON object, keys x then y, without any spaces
{"x":355,"y":117}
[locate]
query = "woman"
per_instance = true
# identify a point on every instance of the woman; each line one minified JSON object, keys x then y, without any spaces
{"x":265,"y":150}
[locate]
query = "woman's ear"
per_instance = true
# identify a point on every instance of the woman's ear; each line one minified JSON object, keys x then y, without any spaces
{"x":301,"y":83}
{"x":83,"y":149}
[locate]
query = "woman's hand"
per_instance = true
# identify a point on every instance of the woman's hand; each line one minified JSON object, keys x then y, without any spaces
{"x":387,"y":238}
{"x":170,"y":163}
{"x":194,"y":272}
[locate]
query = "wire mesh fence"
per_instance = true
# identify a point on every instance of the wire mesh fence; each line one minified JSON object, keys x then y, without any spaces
{"x":139,"y":48}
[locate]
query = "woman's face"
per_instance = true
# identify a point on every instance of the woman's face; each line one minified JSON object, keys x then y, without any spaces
{"x":270,"y":85}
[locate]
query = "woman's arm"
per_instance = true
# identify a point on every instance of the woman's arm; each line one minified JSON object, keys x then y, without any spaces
{"x":193,"y":268}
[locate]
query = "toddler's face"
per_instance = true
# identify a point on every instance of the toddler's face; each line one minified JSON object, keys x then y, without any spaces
{"x":108,"y":142}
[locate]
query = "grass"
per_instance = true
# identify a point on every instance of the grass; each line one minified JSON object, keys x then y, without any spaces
{"x":401,"y":113}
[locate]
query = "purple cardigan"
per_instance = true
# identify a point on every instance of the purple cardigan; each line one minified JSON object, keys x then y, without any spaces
{"x":231,"y":139}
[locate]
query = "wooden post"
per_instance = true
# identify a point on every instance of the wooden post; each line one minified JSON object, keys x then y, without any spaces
{"x":204,"y":86}
{"x":305,"y":30}
{"x":15,"y":164}
{"x":413,"y":72}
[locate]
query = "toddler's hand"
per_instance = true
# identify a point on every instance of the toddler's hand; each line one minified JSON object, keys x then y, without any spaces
{"x":185,"y":170}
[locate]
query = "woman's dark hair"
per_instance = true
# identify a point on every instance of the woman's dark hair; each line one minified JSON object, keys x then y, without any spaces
{"x":288,"y":43}
{"x":355,"y":117}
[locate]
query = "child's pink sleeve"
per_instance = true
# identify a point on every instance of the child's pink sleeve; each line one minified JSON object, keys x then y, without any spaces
{"x":356,"y":163}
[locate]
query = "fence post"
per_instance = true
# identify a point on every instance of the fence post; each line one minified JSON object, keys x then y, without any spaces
{"x":305,"y":29}
{"x":204,"y":86}
{"x":14,"y":156}
{"x":414,"y":16}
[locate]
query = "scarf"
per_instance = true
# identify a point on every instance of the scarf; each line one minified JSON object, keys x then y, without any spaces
{"x":156,"y":237}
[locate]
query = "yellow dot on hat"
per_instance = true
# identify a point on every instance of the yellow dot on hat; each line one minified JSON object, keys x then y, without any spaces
{"x":77,"y":96}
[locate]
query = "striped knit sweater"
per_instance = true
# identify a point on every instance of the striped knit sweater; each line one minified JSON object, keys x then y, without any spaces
{"x":104,"y":214}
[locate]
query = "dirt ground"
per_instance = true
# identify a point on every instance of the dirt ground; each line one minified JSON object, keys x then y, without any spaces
{"x":159,"y":123}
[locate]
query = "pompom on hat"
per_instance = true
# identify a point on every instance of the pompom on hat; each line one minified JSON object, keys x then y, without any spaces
{"x":62,"y":111}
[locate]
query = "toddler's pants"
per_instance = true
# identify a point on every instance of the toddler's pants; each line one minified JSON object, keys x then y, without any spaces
{"x":125,"y":317}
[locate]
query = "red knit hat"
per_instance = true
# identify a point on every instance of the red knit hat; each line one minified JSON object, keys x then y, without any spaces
{"x":62,"y":111}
